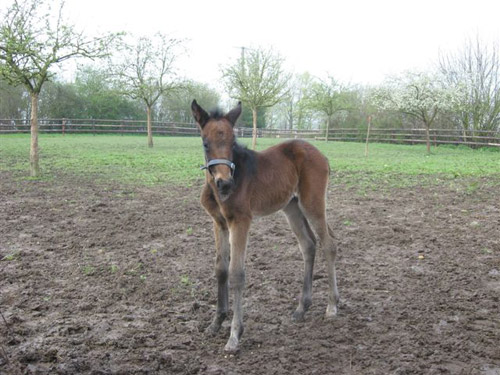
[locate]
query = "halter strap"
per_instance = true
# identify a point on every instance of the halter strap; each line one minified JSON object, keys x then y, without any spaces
{"x":213,"y":162}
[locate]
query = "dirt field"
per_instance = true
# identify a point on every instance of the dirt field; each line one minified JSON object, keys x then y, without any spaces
{"x":106,"y":279}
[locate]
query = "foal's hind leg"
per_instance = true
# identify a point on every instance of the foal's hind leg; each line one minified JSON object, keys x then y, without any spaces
{"x":307,"y":244}
{"x":331,"y":255}
{"x":313,"y":207}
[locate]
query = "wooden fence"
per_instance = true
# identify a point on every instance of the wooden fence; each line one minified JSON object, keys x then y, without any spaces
{"x":416,"y":136}
{"x":407,"y":136}
{"x":75,"y":126}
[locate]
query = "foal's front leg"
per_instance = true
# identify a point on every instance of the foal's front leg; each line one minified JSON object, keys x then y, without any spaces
{"x":222,"y":248}
{"x":221,"y":272}
{"x":238,"y":239}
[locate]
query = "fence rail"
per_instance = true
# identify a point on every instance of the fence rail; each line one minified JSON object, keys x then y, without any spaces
{"x":75,"y":126}
{"x":407,"y":136}
{"x":415,"y":136}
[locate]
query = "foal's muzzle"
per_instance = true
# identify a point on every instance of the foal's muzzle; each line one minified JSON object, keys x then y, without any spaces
{"x":224,"y":187}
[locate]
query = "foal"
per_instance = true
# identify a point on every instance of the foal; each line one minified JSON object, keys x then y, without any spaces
{"x":242,"y":184}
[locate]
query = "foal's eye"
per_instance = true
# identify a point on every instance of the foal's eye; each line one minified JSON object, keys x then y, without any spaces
{"x":205,"y":146}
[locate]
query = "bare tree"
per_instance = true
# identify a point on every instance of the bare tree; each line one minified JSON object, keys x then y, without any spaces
{"x":258,"y":80}
{"x":146,"y":71}
{"x":33,"y":39}
{"x":477,"y":69}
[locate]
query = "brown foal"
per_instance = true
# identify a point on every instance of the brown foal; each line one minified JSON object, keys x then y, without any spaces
{"x":242,"y":184}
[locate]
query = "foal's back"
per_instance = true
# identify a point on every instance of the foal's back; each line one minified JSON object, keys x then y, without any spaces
{"x":292,"y":168}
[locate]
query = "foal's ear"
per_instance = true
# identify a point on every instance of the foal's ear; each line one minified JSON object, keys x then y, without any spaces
{"x":200,"y":115}
{"x":233,"y":114}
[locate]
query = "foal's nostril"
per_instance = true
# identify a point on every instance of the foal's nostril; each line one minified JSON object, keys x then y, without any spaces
{"x":223,"y":185}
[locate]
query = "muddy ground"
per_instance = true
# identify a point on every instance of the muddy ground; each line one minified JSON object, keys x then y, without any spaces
{"x":99,"y":278}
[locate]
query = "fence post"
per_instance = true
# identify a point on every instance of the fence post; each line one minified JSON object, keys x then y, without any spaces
{"x":63,"y":126}
{"x":327,"y":130}
{"x":368,"y":135}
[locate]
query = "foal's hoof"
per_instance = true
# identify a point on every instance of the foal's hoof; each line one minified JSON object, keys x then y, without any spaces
{"x":298,"y":316}
{"x":232,"y":346}
{"x":331,"y":312}
{"x":212,"y":329}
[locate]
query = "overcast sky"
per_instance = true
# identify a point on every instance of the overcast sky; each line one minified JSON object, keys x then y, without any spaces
{"x":357,"y":41}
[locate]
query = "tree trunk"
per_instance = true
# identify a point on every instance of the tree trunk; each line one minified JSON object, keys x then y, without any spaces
{"x":427,"y":138}
{"x":254,"y":133}
{"x":34,"y":158}
{"x":150,"y":128}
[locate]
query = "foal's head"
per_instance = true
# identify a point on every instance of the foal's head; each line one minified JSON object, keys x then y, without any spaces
{"x":218,"y":142}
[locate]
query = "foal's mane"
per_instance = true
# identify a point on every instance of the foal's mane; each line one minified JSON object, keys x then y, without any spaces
{"x":245,"y":160}
{"x":216,"y":114}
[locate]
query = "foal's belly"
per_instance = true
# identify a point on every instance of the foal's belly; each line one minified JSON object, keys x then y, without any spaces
{"x":267,"y":207}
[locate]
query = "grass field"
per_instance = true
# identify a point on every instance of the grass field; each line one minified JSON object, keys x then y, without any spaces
{"x":127,"y":159}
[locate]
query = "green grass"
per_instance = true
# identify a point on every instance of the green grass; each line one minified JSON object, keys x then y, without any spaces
{"x":127,"y":159}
